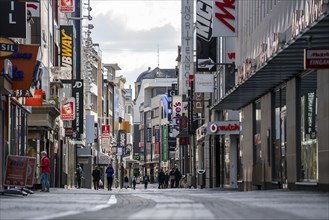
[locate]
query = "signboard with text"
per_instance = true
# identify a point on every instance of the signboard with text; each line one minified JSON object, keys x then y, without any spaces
{"x":316,"y":58}
{"x":13,"y":19}
{"x":66,"y":50}
{"x":20,"y":171}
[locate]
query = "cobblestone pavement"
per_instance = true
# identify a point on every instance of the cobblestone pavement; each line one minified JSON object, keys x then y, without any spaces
{"x":156,"y":203}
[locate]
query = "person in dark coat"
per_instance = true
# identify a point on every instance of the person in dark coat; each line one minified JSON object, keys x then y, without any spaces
{"x":110,"y":173}
{"x":79,"y":175}
{"x":146,"y":180}
{"x":166,"y":181}
{"x":172,"y":178}
{"x":96,"y":177}
{"x":161,"y":178}
{"x":178,"y":176}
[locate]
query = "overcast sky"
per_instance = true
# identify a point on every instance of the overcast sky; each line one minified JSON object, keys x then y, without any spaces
{"x":131,"y":31}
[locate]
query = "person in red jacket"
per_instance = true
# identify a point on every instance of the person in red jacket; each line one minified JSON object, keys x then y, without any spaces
{"x":45,"y":170}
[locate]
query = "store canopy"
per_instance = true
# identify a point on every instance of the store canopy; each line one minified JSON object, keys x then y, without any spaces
{"x":287,"y":63}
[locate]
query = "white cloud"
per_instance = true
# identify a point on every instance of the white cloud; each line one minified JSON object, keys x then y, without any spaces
{"x":130,"y":32}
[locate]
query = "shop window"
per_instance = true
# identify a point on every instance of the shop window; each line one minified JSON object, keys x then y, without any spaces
{"x":308,"y":152}
{"x":279,"y":136}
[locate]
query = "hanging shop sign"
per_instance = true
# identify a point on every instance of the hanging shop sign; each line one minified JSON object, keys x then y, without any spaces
{"x":225,"y":18}
{"x":187,"y":64}
{"x":122,"y":141}
{"x":164,"y":143}
{"x":206,"y":43}
{"x":77,"y":93}
{"x":204,"y":83}
{"x":25,"y":69}
{"x":33,"y":8}
{"x":13,"y":19}
{"x":223,"y":127}
{"x":7,"y":47}
{"x":177,"y":109}
{"x":68,"y":109}
{"x":36,"y":100}
{"x":66,"y":6}
{"x":66,"y":49}
{"x":105,"y":131}
{"x":316,"y":58}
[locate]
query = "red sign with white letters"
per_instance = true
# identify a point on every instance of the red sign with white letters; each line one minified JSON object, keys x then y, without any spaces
{"x":105,"y":131}
{"x":316,"y":58}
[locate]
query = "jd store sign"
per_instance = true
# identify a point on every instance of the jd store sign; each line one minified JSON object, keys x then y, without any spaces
{"x":223,"y":127}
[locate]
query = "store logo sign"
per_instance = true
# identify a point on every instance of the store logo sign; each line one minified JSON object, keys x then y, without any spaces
{"x":223,"y":127}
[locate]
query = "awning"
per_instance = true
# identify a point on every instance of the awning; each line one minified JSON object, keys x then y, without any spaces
{"x":287,"y":63}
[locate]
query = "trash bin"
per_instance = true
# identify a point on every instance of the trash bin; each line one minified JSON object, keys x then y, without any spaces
{"x":201,"y":178}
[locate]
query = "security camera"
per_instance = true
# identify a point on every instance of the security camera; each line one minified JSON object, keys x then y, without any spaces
{"x":90,"y":18}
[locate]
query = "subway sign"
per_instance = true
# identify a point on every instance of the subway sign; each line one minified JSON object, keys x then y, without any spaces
{"x":223,"y":127}
{"x":66,"y":52}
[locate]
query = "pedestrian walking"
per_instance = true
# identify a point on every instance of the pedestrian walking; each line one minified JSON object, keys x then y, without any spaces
{"x":110,"y":173}
{"x":96,"y":177}
{"x":178,"y":176}
{"x":79,"y":175}
{"x":45,"y":170}
{"x":134,"y":181}
{"x":126,"y":182}
{"x":161,"y":178}
{"x":146,"y":180}
{"x":172,"y":178}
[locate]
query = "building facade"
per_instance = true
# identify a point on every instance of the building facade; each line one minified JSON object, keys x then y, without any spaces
{"x":282,"y":102}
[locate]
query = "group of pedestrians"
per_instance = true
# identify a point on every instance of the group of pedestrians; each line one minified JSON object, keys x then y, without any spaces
{"x":165,"y":179}
{"x":170,"y":179}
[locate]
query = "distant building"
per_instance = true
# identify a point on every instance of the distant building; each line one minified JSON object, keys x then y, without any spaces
{"x":148,"y":85}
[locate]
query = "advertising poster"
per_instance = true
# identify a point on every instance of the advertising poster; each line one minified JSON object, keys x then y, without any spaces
{"x":19,"y":171}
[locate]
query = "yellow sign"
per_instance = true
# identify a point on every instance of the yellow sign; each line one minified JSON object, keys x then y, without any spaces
{"x":7,"y":47}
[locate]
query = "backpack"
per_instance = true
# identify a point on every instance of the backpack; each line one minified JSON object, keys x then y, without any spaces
{"x":146,"y":178}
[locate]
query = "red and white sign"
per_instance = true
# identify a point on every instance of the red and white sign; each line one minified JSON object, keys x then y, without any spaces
{"x":67,"y":6}
{"x":316,"y":58}
{"x":224,"y":18}
{"x":213,"y":128}
{"x":68,"y":108}
{"x":105,"y":131}
{"x":223,"y":127}
{"x":34,"y":8}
